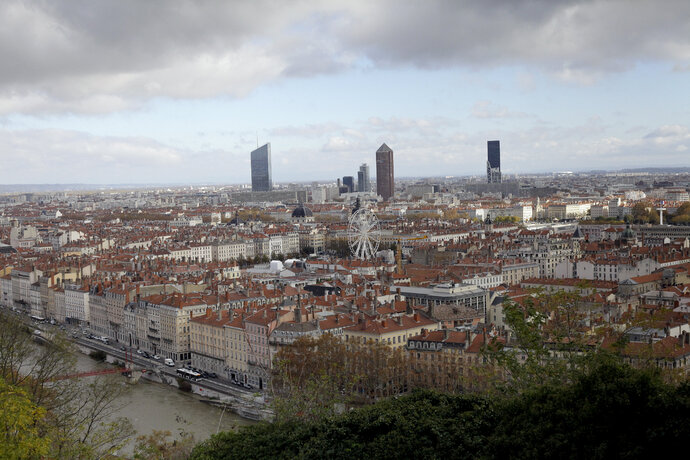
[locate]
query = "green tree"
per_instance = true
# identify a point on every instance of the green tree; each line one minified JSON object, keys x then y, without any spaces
{"x":546,"y":346}
{"x":78,"y":414}
{"x":22,"y":423}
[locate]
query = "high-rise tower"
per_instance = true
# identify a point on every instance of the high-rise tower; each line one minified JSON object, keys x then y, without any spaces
{"x":363,"y":180}
{"x":493,"y":164}
{"x":385,"y":185}
{"x":261,"y":169}
{"x":349,"y":182}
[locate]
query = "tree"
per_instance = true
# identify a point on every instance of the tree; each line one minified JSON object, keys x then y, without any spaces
{"x":314,"y":377}
{"x":644,"y":213}
{"x":683,"y":209}
{"x":22,"y":425}
{"x":157,"y":446}
{"x":609,"y":410}
{"x":78,"y":414}
{"x":546,"y":346}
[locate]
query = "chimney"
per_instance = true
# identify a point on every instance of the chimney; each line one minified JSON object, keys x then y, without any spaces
{"x":416,"y":317}
{"x":445,"y":334}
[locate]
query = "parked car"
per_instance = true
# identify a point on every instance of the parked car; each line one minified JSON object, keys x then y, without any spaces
{"x":146,"y":355}
{"x":139,"y":352}
{"x":213,"y":375}
{"x":156,"y":357}
{"x":169,"y":362}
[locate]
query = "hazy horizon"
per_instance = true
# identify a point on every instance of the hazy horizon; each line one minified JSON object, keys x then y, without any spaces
{"x":181,"y":92}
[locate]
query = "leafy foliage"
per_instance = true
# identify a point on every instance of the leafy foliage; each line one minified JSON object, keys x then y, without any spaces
{"x":609,"y":410}
{"x":313,"y":378}
{"x":22,"y":424}
{"x":75,"y":416}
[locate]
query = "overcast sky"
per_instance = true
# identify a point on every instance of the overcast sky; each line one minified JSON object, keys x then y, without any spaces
{"x":172,"y":91}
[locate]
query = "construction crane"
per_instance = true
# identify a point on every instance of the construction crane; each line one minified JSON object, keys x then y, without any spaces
{"x":398,"y":251}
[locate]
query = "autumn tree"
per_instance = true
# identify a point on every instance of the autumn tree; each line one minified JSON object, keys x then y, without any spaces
{"x":22,"y":424}
{"x":78,"y":414}
{"x":313,"y":377}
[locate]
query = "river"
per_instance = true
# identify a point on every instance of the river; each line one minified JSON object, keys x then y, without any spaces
{"x":154,"y":406}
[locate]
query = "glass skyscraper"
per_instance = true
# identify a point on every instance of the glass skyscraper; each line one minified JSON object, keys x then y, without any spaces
{"x":261,"y":169}
{"x":363,"y":180}
{"x":385,"y":185}
{"x":349,"y":182}
{"x":493,"y":164}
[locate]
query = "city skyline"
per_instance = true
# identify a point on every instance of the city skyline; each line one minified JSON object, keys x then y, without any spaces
{"x":122,"y":93}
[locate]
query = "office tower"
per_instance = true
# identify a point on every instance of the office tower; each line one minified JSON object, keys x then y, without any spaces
{"x":493,"y":165}
{"x":261,"y":169}
{"x":363,"y":180}
{"x":349,"y":182}
{"x":384,"y":172}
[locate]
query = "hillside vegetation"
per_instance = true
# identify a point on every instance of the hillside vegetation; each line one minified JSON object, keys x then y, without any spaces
{"x":609,"y":411}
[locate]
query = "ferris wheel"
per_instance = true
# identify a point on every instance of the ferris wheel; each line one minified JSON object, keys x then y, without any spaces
{"x":363,"y":234}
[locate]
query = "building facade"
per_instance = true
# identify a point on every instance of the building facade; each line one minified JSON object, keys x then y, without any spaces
{"x":363,"y":179}
{"x":385,"y":183}
{"x":261,"y":169}
{"x":493,"y":164}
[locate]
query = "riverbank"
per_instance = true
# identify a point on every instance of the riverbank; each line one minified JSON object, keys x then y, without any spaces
{"x":246,"y":404}
{"x":150,"y":406}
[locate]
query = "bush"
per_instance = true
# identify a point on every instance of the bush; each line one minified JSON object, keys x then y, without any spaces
{"x":98,"y":355}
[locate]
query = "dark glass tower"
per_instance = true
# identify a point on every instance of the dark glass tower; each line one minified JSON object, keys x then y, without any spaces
{"x":261,"y":169}
{"x":349,"y":182}
{"x":385,"y":185}
{"x":363,"y":181}
{"x":493,"y":165}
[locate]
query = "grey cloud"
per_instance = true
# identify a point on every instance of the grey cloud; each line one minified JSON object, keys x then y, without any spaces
{"x":103,"y":56}
{"x":572,"y":38}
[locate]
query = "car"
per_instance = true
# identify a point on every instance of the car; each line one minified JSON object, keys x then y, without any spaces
{"x":169,"y":362}
{"x":123,"y":348}
{"x":139,"y":352}
{"x":213,"y":375}
{"x":146,"y":355}
{"x":156,"y":357}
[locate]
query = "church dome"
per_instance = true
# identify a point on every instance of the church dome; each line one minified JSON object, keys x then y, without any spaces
{"x":301,"y":211}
